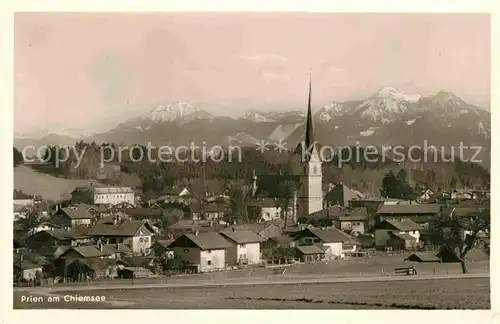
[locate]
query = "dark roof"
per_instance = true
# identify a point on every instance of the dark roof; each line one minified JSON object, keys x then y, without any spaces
{"x":96,"y":264}
{"x":310,"y":249}
{"x":25,"y":265}
{"x":242,"y":237}
{"x":64,"y":235}
{"x":115,"y":248}
{"x":296,"y":228}
{"x":347,"y":193}
{"x":207,"y":241}
{"x":404,"y":236}
{"x":164,"y":243}
{"x":423,"y":257}
{"x":86,"y":251}
{"x":77,"y":212}
{"x":254,"y":227}
{"x":188,"y":224}
{"x":410,"y":209}
{"x":106,"y":227}
{"x":354,"y":214}
{"x":403,"y":226}
{"x":282,"y":239}
{"x":330,"y":235}
{"x":332,"y":212}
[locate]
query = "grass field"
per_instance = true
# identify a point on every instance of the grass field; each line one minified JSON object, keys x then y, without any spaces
{"x":422,"y":294}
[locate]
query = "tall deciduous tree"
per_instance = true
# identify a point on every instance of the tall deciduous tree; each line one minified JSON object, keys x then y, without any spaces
{"x":459,"y":234}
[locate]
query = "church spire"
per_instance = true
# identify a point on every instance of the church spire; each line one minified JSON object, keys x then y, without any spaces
{"x":309,"y":126}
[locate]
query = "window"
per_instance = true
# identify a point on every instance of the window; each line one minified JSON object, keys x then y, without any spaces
{"x":209,"y":262}
{"x":242,"y":245}
{"x":186,"y":250}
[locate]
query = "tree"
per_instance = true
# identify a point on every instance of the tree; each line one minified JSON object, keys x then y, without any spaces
{"x":289,"y":189}
{"x":30,"y":222}
{"x":397,"y":186}
{"x":453,"y":183}
{"x":389,"y":185}
{"x":18,"y":157}
{"x":239,"y":197}
{"x":462,"y":233}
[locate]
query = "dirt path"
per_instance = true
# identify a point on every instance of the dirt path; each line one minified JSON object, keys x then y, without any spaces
{"x":268,"y":280}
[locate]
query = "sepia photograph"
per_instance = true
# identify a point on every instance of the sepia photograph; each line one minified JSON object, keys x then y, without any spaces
{"x":238,"y":160}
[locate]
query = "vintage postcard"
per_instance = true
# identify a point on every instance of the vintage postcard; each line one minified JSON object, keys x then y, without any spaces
{"x":218,"y":160}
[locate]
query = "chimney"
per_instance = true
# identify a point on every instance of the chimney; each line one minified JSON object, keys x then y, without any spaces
{"x":196,"y":233}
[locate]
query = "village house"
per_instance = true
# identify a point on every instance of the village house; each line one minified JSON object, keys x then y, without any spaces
{"x":72,"y":216}
{"x":208,"y":211}
{"x":420,"y":214}
{"x":185,"y":226}
{"x":91,"y":268}
{"x":263,"y":229}
{"x":136,"y":234}
{"x":58,"y":237}
{"x":161,"y":249}
{"x":340,"y":195}
{"x":354,"y":220}
{"x":245,"y":249}
{"x":282,"y":241}
{"x":202,"y":252}
{"x":336,"y":241}
{"x":27,"y":270}
{"x":310,"y":253}
{"x":399,"y":235}
{"x":22,"y":199}
{"x":103,"y":195}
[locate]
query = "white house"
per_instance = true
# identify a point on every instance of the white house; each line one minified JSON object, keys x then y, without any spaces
{"x":390,"y":231}
{"x":245,"y":247}
{"x":102,"y":195}
{"x":202,"y":252}
{"x":136,"y":234}
{"x":334,"y":241}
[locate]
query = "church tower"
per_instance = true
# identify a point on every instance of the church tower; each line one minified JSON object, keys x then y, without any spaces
{"x":310,"y":191}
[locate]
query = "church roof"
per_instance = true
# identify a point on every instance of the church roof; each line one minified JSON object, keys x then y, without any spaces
{"x":309,"y":143}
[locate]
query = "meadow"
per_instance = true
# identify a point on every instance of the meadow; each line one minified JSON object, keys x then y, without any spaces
{"x":466,"y":293}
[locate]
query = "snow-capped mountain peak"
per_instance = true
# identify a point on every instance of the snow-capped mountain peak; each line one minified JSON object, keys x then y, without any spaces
{"x":274,"y":116}
{"x":394,"y":93}
{"x":259,"y":117}
{"x":386,"y":105}
{"x":176,"y":111}
{"x":75,"y":133}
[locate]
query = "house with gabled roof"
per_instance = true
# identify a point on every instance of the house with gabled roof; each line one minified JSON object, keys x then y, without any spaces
{"x":340,"y":195}
{"x":420,"y":214}
{"x":354,"y":220}
{"x":72,"y":216}
{"x":136,"y":234}
{"x":399,"y":235}
{"x":336,"y":241}
{"x":202,"y":252}
{"x":58,"y":237}
{"x":263,"y":229}
{"x":245,"y":249}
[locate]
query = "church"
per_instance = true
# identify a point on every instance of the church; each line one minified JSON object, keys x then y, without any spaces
{"x":304,"y":187}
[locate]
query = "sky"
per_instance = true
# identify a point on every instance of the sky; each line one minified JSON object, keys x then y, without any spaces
{"x":93,"y":70}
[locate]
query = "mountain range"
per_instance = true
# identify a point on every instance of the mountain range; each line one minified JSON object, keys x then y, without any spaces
{"x":388,"y":117}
